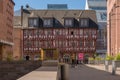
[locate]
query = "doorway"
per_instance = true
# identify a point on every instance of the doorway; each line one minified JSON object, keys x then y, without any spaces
{"x":49,"y":54}
{"x":86,"y":58}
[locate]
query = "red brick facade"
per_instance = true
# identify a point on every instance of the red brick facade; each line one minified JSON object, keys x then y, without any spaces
{"x":62,"y":39}
{"x":6,"y":28}
{"x":17,"y":43}
{"x":113,"y":26}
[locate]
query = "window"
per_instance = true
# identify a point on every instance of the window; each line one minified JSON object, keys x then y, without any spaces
{"x":68,"y":22}
{"x":93,"y":32}
{"x":84,"y":23}
{"x":33,"y":22}
{"x":48,"y":44}
{"x":86,"y":33}
{"x":48,"y":22}
{"x":72,"y":33}
{"x":48,"y":32}
{"x":39,"y":44}
{"x":60,"y":44}
{"x":30,"y":32}
{"x":25,"y":32}
{"x":57,"y":32}
{"x":81,"y":32}
{"x":40,"y":32}
{"x":103,"y":16}
{"x":57,"y":23}
{"x":36,"y":44}
{"x":73,"y":44}
{"x":81,"y":43}
{"x":27,"y":43}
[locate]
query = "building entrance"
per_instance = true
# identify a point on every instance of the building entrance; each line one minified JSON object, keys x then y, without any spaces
{"x":49,"y":54}
{"x":86,"y":57}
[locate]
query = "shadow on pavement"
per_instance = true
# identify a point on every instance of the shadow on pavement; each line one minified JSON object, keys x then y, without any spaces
{"x":83,"y":72}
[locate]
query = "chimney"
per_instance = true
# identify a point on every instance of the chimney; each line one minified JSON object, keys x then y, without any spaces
{"x":27,"y":6}
{"x":21,"y":15}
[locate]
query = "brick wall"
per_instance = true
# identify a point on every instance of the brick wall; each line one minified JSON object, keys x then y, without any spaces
{"x":113,"y":27}
{"x":16,"y":69}
{"x":6,"y":28}
{"x":17,"y":48}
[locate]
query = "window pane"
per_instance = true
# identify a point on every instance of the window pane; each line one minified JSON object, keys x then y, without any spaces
{"x":48,"y":22}
{"x":68,"y":22}
{"x":33,"y":22}
{"x":84,"y":22}
{"x":81,"y":32}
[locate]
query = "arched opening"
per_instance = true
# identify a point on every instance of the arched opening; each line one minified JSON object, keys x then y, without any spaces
{"x":27,"y":57}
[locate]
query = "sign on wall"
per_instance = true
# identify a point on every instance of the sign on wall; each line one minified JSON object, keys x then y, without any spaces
{"x":80,"y":56}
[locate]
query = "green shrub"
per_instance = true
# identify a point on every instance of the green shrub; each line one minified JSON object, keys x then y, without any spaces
{"x":91,"y":59}
{"x":98,"y":58}
{"x":117,"y":57}
{"x":109,"y":57}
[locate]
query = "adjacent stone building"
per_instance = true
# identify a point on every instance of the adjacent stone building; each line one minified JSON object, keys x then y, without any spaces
{"x":69,"y":31}
{"x":6,"y":28}
{"x":113,"y":13}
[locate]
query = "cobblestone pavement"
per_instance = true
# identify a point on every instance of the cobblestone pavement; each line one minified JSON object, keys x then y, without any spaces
{"x":88,"y":72}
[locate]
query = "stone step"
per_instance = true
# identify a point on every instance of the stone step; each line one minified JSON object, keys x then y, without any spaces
{"x":50,"y":63}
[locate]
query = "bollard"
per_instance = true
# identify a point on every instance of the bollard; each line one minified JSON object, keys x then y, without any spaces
{"x":63,"y":71}
{"x":106,"y":65}
{"x":113,"y":68}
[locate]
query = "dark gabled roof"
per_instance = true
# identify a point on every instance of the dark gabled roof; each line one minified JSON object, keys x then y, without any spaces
{"x":60,"y":15}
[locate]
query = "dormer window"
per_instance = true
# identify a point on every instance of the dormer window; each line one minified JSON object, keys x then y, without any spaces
{"x":68,"y":22}
{"x":33,"y":22}
{"x":48,"y":22}
{"x":84,"y":22}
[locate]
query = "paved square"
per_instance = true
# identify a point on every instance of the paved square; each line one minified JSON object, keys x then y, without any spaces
{"x":83,"y":72}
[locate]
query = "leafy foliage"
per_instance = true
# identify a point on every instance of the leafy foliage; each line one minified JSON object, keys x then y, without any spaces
{"x":91,"y":59}
{"x":109,"y":57}
{"x":117,"y":57}
{"x":98,"y":58}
